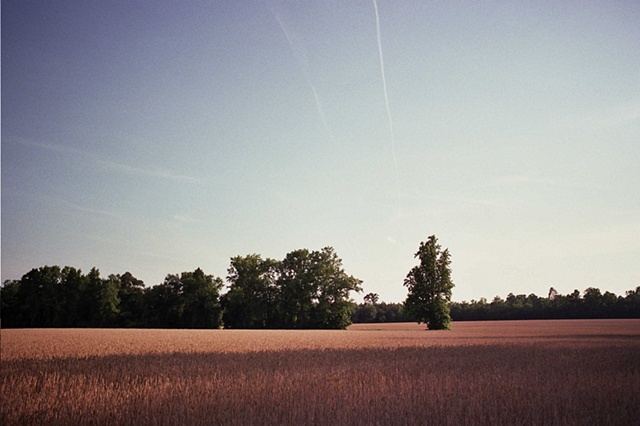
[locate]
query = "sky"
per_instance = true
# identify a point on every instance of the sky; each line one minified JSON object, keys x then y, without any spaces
{"x":157,"y":137}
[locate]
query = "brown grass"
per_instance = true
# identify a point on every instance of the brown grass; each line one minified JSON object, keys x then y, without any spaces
{"x":535,"y":372}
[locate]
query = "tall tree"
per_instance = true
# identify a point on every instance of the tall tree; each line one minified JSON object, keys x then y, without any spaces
{"x":201,"y":300}
{"x":188,"y":300}
{"x":314,"y":290}
{"x":39,"y":293}
{"x":429,"y":286}
{"x":251,"y":299}
{"x":332,"y":306}
{"x":91,"y":300}
{"x":131,"y":300}
{"x":73,"y":285}
{"x":165,"y":303}
{"x":296,"y":290}
{"x":109,"y":301}
{"x":307,"y":289}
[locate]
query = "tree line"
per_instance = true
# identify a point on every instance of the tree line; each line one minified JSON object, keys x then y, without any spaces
{"x":307,"y":289}
{"x":590,"y":304}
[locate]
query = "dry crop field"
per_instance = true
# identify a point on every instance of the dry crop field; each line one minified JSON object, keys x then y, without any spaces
{"x":510,"y":372}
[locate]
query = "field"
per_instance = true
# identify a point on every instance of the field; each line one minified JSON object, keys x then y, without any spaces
{"x":511,"y":372}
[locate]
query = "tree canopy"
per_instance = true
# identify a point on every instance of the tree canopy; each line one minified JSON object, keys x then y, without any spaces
{"x":51,"y":296}
{"x":429,"y":286}
{"x":589,"y":304}
{"x":307,"y":289}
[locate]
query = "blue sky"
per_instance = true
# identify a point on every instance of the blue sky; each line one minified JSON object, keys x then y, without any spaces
{"x":158,"y":136}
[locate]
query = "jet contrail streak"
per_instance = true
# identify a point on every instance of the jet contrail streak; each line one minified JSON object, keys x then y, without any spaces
{"x":302,"y":62}
{"x":386,"y":97}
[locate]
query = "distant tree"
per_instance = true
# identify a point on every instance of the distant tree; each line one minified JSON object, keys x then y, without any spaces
{"x":593,"y":302}
{"x":429,"y":286}
{"x":392,"y":312}
{"x":371,"y":298}
{"x":365,"y":313}
{"x":630,"y":305}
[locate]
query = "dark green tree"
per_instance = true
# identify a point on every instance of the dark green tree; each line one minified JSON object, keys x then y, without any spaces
{"x":201,"y":300}
{"x":188,"y":300}
{"x":131,"y":301}
{"x":314,"y":290}
{"x":251,"y":300}
{"x":296,"y":287}
{"x":39,"y":294}
{"x":90,"y":300}
{"x":165,"y":303}
{"x":371,"y":298}
{"x":11,"y":313}
{"x":380,"y":312}
{"x":73,"y":286}
{"x":429,"y":286}
{"x":109,"y":302}
{"x":332,"y":306}
{"x":365,"y":313}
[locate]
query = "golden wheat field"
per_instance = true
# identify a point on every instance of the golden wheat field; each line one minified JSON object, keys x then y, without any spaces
{"x":511,"y":372}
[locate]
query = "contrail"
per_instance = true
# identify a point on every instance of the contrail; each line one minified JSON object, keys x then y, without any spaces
{"x":302,"y":62}
{"x":386,"y":97}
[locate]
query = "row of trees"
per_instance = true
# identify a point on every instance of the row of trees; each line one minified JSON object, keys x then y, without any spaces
{"x":308,"y":289}
{"x":592,"y":303}
{"x":372,"y":311}
{"x":51,"y":296}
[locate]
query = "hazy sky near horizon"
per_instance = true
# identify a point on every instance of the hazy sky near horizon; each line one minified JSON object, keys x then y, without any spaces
{"x":160,"y":136}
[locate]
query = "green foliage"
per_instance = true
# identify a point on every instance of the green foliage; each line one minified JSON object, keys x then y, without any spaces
{"x":429,"y":286}
{"x":188,"y":300}
{"x":132,"y":301}
{"x":201,"y":295}
{"x":380,"y":312}
{"x":371,"y":298}
{"x":593,"y":304}
{"x":53,"y":297}
{"x":10,"y":304}
{"x":307,"y":289}
{"x":315,"y":290}
{"x":250,"y":300}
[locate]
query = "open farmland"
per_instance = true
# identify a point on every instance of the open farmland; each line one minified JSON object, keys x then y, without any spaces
{"x":511,"y":372}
